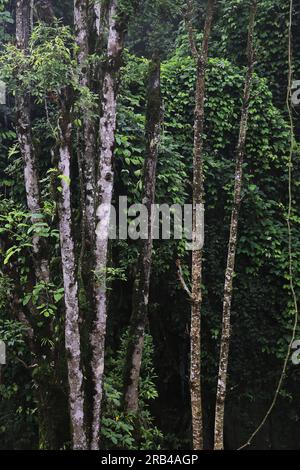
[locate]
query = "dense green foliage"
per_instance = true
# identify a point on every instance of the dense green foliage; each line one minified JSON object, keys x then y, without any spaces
{"x":262,"y":310}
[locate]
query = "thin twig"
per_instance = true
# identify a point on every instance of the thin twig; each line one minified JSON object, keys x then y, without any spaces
{"x":32,"y":366}
{"x":181,"y":279}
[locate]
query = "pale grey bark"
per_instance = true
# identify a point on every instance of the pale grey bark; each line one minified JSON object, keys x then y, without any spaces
{"x":88,"y":19}
{"x":24,"y":20}
{"x":98,"y":8}
{"x":81,"y":37}
{"x":105,"y":190}
{"x":82,"y":21}
{"x":72,"y":334}
{"x":141,"y":298}
{"x":23,"y":126}
{"x":201,"y":58}
{"x":232,"y":245}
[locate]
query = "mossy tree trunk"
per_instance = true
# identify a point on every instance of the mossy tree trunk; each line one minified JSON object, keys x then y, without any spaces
{"x":142,"y":286}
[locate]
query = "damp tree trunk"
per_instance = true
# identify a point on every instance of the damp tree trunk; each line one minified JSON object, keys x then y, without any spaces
{"x":117,"y":23}
{"x":141,"y":296}
{"x":72,"y":333}
{"x":232,"y":244}
{"x":44,"y":10}
{"x":201,"y":59}
{"x":23,"y":127}
{"x":44,"y":354}
{"x":84,"y":20}
{"x":89,"y":18}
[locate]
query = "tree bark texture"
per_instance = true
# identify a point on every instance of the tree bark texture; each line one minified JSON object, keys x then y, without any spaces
{"x":140,"y":307}
{"x":105,"y":182}
{"x":82,"y":13}
{"x":201,"y":59}
{"x":23,"y":127}
{"x":72,"y":334}
{"x":44,"y":10}
{"x":232,"y":245}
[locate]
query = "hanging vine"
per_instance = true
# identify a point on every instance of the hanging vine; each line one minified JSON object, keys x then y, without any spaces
{"x":289,"y":229}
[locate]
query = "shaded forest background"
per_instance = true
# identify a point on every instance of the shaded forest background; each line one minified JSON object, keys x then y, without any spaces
{"x":262,"y":312}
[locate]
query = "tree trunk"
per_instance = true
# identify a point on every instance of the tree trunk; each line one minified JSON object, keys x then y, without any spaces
{"x":44,"y":10}
{"x":140,"y":307}
{"x":232,"y":245}
{"x":81,"y":37}
{"x":88,"y":144}
{"x":31,"y":176}
{"x":72,"y":334}
{"x":105,"y":191}
{"x":48,"y":398}
{"x":99,"y":12}
{"x":201,"y":59}
{"x":88,"y":20}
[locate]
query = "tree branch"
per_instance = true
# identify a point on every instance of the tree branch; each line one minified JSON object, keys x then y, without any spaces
{"x":181,"y":279}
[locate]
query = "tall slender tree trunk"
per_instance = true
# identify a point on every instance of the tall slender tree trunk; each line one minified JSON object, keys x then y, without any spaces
{"x":88,"y":21}
{"x":82,"y":13}
{"x":201,"y":58}
{"x":140,"y":307}
{"x":105,"y":182}
{"x":232,"y":245}
{"x":72,"y":334}
{"x":81,"y":37}
{"x":47,"y":424}
{"x":31,"y":175}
